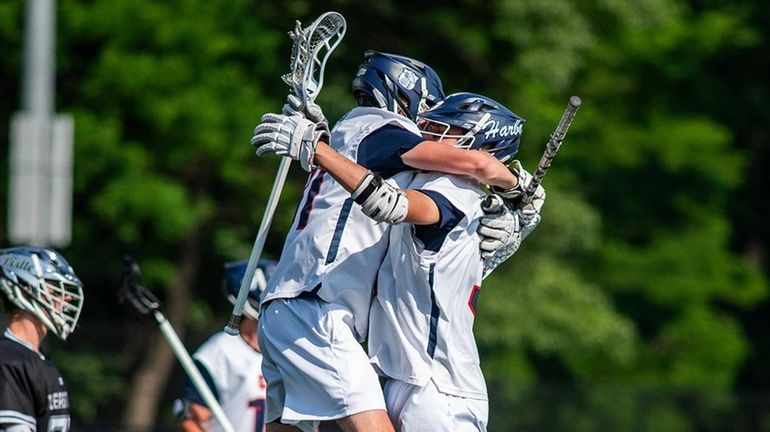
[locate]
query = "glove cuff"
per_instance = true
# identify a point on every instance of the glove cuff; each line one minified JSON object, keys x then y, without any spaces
{"x":320,"y":133}
{"x":512,"y":194}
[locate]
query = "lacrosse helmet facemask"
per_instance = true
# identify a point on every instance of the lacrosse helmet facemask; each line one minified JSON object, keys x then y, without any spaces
{"x":42,"y":282}
{"x":396,"y":83}
{"x":234,"y":273}
{"x":487,"y":124}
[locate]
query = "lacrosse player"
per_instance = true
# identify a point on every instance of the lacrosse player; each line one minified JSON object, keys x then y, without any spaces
{"x":316,"y":307}
{"x":430,"y":280}
{"x":231,"y":366}
{"x":42,"y":295}
{"x":421,"y":337}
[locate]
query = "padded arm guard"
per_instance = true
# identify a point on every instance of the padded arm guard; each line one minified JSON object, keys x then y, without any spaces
{"x":380,"y":200}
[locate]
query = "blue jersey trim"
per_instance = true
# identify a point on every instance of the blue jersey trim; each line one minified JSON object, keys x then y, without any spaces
{"x":337,"y":237}
{"x":191,"y":394}
{"x":433,"y":236}
{"x":313,"y":189}
{"x":434,"y":314}
{"x":381,"y":150}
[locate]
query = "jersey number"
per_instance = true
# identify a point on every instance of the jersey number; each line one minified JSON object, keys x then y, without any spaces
{"x":258,"y":405}
{"x":59,"y":423}
{"x":474,"y":298}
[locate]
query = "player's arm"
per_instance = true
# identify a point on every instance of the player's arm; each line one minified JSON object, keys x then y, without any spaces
{"x":374,"y":194}
{"x":441,"y":156}
{"x":390,"y":149}
{"x":299,"y":138}
{"x":19,"y":391}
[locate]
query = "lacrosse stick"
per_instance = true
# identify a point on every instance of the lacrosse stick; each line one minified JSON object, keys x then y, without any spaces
{"x":493,"y":203}
{"x":312,"y":47}
{"x":554,"y":143}
{"x":135,"y":293}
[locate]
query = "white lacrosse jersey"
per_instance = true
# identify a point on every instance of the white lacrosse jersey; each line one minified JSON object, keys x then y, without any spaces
{"x":422,"y":317}
{"x":332,"y":248}
{"x":233,"y":371}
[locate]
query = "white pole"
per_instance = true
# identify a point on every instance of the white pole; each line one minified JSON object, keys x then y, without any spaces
{"x":232,"y":327}
{"x":192,"y":371}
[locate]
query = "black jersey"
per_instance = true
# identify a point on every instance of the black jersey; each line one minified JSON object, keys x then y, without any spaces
{"x":32,"y":391}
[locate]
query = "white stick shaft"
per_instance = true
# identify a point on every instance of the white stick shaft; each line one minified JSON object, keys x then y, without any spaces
{"x":232,"y":327}
{"x":189,"y":367}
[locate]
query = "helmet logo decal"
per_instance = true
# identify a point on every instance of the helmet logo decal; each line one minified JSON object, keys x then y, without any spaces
{"x":407,"y":79}
{"x":493,"y":130}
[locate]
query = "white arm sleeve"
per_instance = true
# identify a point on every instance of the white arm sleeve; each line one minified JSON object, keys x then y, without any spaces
{"x":15,"y":428}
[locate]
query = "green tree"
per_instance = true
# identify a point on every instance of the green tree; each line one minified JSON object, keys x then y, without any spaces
{"x":625,"y":309}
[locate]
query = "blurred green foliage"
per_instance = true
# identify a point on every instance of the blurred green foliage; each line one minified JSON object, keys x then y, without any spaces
{"x":636,"y":305}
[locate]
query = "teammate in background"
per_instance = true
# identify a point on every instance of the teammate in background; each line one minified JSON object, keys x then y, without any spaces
{"x":316,"y":307}
{"x":430,"y":279}
{"x":231,"y":366}
{"x":41,"y":294}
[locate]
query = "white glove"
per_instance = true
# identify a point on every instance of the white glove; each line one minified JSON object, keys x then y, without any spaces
{"x":529,"y":214}
{"x":499,"y":227}
{"x":523,"y":220}
{"x":311,"y":111}
{"x":506,"y":231}
{"x":291,"y":136}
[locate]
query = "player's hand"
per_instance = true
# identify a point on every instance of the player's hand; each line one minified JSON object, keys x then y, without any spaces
{"x":499,"y":227}
{"x":310,"y":111}
{"x":513,"y":194}
{"x":292,"y":136}
{"x":529,"y":214}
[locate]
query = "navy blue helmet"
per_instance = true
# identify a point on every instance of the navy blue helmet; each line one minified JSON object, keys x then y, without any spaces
{"x":42,"y":282}
{"x":234,"y":273}
{"x":396,"y":83}
{"x":486,"y":124}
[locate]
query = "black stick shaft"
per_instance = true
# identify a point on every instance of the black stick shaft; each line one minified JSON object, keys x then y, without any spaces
{"x":551,"y":148}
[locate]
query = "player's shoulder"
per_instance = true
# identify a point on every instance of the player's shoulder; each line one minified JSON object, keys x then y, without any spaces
{"x":447,"y":182}
{"x":463,"y":193}
{"x":374,"y":118}
{"x":14,"y":352}
{"x":22,"y":361}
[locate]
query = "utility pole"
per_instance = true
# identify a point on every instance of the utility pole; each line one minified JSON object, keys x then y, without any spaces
{"x":40,"y":198}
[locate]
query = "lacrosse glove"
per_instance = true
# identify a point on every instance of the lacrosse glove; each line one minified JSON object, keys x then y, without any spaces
{"x":511,"y":195}
{"x":529,"y":214}
{"x":500,"y":232}
{"x":311,"y":111}
{"x":507,"y":222}
{"x":292,"y":136}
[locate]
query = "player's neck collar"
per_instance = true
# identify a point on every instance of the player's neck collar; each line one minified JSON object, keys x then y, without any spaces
{"x":9,"y":335}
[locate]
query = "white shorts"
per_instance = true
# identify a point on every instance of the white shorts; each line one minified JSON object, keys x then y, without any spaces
{"x":416,"y":409}
{"x":314,"y":367}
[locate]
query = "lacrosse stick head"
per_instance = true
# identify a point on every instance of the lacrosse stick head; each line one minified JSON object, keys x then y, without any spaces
{"x":310,"y":51}
{"x":397,"y":83}
{"x":133,"y":290}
